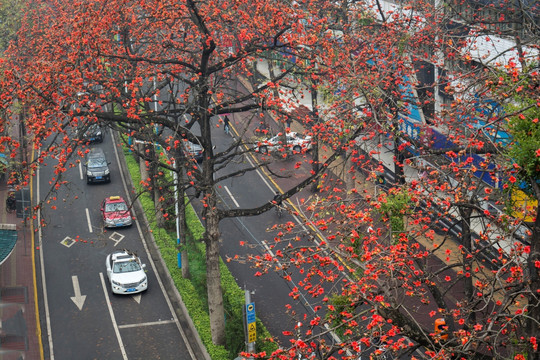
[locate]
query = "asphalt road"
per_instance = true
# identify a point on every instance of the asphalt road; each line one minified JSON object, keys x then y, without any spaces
{"x":252,"y":236}
{"x":83,"y":319}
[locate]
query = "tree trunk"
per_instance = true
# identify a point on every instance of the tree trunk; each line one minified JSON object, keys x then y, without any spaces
{"x":315,"y":165}
{"x":467,"y":242}
{"x":398,"y":164}
{"x":160,"y":219}
{"x":142,"y":166}
{"x":213,"y":275}
{"x":211,"y":216}
{"x":156,"y":190}
{"x":315,"y":148}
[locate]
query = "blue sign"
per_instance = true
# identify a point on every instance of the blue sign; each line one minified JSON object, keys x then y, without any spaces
{"x":250,"y":313}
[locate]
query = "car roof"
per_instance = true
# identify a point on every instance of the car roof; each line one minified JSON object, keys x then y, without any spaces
{"x":189,"y":144}
{"x":95,"y":153}
{"x":123,"y":256}
{"x":114,"y":199}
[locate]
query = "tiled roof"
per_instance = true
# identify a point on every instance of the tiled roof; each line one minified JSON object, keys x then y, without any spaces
{"x":8,"y":239}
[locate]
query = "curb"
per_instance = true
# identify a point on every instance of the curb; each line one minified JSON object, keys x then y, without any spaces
{"x":173,"y":293}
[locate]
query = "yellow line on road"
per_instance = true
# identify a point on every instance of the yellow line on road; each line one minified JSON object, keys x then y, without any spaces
{"x":32,"y":236}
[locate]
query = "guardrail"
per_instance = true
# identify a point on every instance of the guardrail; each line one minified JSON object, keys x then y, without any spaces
{"x":450,"y":223}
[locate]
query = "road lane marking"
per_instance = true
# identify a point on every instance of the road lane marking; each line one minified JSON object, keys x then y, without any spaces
{"x":113,"y":320}
{"x":263,"y":178}
{"x":78,"y":299}
{"x":137,"y":298}
{"x":67,"y":242}
{"x":81,"y":170}
{"x":116,"y":237}
{"x":146,"y":249}
{"x":88,"y":219}
{"x":151,"y":323}
{"x":42,"y":267}
{"x":231,"y":195}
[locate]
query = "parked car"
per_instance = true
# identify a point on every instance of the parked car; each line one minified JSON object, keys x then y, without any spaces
{"x":115,"y":212}
{"x":97,"y":167}
{"x":93,"y":134}
{"x":194,"y":151}
{"x":126,"y":272}
{"x":294,"y":141}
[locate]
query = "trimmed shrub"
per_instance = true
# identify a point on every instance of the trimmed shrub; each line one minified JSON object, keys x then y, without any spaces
{"x":193,"y":290}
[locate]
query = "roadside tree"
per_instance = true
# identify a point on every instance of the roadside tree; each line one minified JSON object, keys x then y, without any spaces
{"x":162,"y":74}
{"x":484,"y":288}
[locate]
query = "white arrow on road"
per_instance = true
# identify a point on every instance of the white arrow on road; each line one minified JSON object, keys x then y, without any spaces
{"x":78,"y":299}
{"x":137,"y":298}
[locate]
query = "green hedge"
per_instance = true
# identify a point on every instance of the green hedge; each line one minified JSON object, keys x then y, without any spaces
{"x":193,"y":291}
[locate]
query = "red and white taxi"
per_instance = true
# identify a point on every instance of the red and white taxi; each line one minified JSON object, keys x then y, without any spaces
{"x":115,"y":212}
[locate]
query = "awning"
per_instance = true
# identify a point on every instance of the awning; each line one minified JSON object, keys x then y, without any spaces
{"x":8,"y":239}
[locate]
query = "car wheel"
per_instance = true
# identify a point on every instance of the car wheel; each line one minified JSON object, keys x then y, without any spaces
{"x":263,"y":150}
{"x":297,"y":148}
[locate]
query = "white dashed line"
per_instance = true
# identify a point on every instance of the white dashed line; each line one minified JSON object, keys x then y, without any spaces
{"x":88,"y":219}
{"x":151,"y":323}
{"x":231,"y":195}
{"x":115,"y":325}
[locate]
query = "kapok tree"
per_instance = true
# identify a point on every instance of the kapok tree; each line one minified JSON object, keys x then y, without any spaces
{"x":392,"y":284}
{"x":161,"y":73}
{"x":524,"y":168}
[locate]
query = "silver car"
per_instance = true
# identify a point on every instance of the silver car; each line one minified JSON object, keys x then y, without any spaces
{"x":294,"y":141}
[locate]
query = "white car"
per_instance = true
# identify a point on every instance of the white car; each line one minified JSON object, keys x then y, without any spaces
{"x":126,"y":272}
{"x":295,"y":141}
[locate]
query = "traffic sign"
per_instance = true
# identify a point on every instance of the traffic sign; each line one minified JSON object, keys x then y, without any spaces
{"x":252,"y":332}
{"x":250,"y":313}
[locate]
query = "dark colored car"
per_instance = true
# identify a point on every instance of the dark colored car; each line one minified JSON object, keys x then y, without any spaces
{"x":97,"y":167}
{"x":194,"y":151}
{"x":94,"y":134}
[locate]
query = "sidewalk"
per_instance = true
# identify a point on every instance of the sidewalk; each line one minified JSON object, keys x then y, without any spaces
{"x":18,"y":326}
{"x":19,"y":317}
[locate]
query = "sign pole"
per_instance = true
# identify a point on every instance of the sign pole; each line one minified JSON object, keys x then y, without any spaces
{"x":250,"y":323}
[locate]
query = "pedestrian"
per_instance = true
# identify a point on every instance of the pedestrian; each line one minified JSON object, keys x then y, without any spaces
{"x":11,"y":203}
{"x":277,"y":202}
{"x":226,"y":124}
{"x":289,"y":123}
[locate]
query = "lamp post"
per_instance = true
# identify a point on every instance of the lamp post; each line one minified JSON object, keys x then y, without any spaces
{"x":176,"y":210}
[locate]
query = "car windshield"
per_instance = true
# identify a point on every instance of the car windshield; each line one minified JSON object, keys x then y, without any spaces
{"x":113,"y":207}
{"x":92,"y":129}
{"x":97,"y":163}
{"x":126,"y":266}
{"x":192,"y":147}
